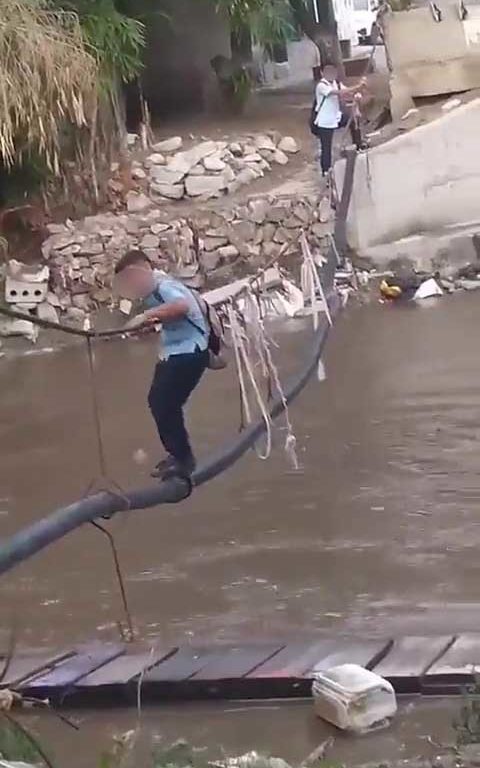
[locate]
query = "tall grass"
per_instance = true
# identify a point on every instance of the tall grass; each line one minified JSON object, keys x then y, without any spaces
{"x":48,"y":79}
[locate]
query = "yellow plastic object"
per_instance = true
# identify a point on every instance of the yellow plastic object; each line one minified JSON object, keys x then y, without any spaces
{"x":390,"y":291}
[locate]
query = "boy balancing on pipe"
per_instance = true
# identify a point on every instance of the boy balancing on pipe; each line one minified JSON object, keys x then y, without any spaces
{"x":183,"y":355}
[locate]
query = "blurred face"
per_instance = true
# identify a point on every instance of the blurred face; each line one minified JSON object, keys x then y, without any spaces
{"x":135,"y":282}
{"x":330,"y":73}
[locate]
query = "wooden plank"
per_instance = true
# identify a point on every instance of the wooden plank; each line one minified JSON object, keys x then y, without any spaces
{"x":366,"y":653}
{"x":87,"y":659}
{"x":459,"y":663}
{"x":26,"y":665}
{"x":187,"y":662}
{"x":409,"y":660}
{"x":237,"y":663}
{"x":124,"y":669}
{"x":270,"y":279}
{"x":294,"y":660}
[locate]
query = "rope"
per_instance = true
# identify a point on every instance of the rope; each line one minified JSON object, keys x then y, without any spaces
{"x":334,"y":248}
{"x":103,"y":482}
{"x":291,"y":440}
{"x":311,"y":283}
{"x":96,"y":408}
{"x":350,"y":119}
{"x":245,"y":370}
{"x":84,"y":332}
{"x":127,"y":633}
{"x":263,"y":344}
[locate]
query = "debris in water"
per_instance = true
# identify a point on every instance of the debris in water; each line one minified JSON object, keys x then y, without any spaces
{"x":125,"y":306}
{"x":19,"y":328}
{"x":140,"y":456}
{"x":411,"y":285}
{"x":402,"y":285}
{"x":412,"y":111}
{"x":428,"y":289}
{"x":353,"y":698}
{"x":8,"y":699}
{"x":251,"y":760}
{"x":319,"y":753}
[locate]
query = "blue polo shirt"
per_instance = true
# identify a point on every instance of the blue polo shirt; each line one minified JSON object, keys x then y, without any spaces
{"x":184,"y":336}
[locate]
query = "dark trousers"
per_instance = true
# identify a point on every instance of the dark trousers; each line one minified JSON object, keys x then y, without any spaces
{"x":173,"y":382}
{"x":326,"y":140}
{"x":354,"y":125}
{"x":325,"y":136}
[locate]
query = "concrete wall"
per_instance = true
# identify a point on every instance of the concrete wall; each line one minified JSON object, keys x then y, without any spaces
{"x":430,"y":58}
{"x":426,"y":181}
{"x":178,"y":75}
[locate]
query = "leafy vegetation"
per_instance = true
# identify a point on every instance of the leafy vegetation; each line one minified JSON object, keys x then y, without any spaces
{"x":269,"y":21}
{"x":15,"y":745}
{"x":115,"y":39}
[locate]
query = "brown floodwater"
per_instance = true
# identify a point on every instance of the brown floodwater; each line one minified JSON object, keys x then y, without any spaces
{"x":378,"y":534}
{"x":288,"y":730}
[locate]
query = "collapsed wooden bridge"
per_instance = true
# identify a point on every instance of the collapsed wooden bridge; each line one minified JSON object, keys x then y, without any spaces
{"x":110,"y":674}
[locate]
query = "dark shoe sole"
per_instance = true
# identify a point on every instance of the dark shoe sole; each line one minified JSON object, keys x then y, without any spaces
{"x":162,"y":467}
{"x":179,"y":470}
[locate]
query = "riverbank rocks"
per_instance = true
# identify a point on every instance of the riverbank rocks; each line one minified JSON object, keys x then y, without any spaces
{"x":209,"y":168}
{"x":168,"y":145}
{"x":211,"y":247}
{"x":288,"y":145}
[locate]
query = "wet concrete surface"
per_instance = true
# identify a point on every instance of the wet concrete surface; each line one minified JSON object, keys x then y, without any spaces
{"x":377,"y":535}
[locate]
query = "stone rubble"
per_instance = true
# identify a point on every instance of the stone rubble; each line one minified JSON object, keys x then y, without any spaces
{"x":211,"y":246}
{"x":210,"y":168}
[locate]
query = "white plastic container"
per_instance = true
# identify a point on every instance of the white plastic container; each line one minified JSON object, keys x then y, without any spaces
{"x":353,"y":698}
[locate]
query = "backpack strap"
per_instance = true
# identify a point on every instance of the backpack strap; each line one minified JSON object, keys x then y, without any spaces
{"x":158,"y":296}
{"x":317,"y":109}
{"x":315,"y":103}
{"x":201,"y":330}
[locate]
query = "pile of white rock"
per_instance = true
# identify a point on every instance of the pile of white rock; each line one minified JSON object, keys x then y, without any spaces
{"x":210,"y":169}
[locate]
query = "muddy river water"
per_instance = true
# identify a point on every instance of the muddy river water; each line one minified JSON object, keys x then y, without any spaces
{"x":378,"y":534}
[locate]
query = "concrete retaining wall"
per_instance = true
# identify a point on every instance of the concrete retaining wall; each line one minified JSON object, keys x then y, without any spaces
{"x":430,"y":57}
{"x":425,"y":183}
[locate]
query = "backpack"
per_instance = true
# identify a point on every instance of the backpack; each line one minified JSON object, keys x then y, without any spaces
{"x":215,"y":332}
{"x":216,"y":340}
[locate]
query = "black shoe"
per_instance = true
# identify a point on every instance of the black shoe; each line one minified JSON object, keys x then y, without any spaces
{"x":165,"y":464}
{"x":184,"y":468}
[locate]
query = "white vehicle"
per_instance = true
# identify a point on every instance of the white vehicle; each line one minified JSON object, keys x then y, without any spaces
{"x":365,"y":20}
